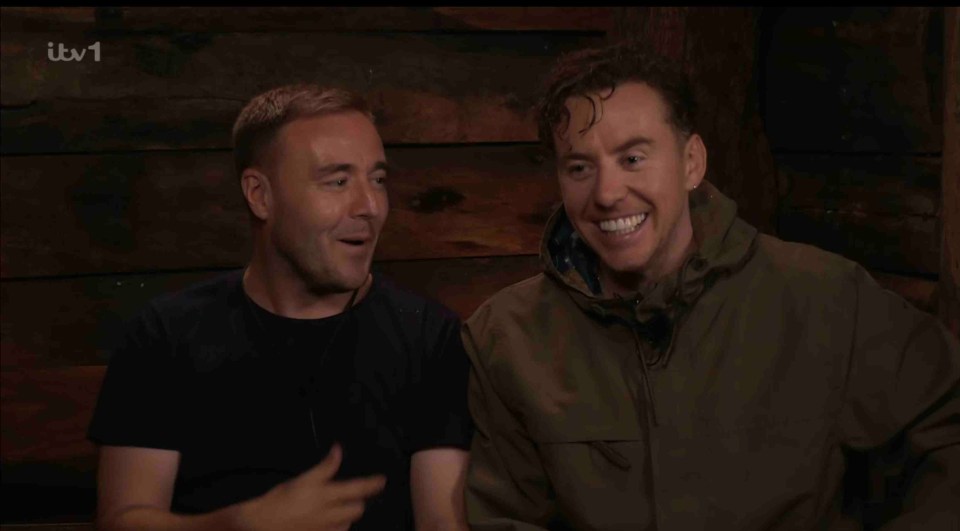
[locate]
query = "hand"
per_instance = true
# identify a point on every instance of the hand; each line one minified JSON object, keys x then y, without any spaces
{"x":312,"y":500}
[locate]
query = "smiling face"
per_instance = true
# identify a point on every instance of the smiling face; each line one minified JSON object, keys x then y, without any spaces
{"x":624,"y":182}
{"x":328,"y":200}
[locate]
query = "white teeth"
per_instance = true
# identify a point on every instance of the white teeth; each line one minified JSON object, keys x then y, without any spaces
{"x":622,"y":225}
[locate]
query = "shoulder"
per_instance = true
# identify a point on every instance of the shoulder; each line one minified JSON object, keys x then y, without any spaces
{"x":513,"y":303}
{"x":524,"y":309}
{"x":173,"y":312}
{"x":202,"y":294}
{"x":410,"y":320}
{"x":807,"y":277}
{"x":802,"y":264}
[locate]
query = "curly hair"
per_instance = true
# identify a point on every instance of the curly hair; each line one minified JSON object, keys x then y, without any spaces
{"x":266,"y":113}
{"x":603,"y":69}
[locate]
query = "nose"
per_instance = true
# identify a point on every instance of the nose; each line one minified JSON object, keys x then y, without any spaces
{"x":366,"y":203}
{"x":609,"y":187}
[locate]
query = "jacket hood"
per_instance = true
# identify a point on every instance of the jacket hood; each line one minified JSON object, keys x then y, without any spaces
{"x":724,"y":243}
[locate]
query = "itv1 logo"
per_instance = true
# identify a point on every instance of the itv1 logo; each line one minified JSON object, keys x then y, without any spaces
{"x":61,"y":53}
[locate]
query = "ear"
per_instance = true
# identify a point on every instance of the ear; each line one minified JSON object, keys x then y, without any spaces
{"x":257,"y":192}
{"x":694,"y":161}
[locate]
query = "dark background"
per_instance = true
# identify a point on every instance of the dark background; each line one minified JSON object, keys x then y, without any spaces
{"x":833,"y":126}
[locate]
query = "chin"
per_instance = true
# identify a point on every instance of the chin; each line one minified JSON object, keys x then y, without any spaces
{"x":354,"y":280}
{"x":623,"y":262}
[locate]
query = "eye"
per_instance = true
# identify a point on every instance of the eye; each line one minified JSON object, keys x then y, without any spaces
{"x":632,"y":160}
{"x":337,"y":183}
{"x":381,"y":180}
{"x":578,"y":171}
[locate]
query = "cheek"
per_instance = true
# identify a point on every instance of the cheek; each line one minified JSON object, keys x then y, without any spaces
{"x":574,"y":194}
{"x":321,"y":215}
{"x":384,"y":209}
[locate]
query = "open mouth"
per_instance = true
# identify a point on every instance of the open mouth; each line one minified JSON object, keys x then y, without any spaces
{"x":624,"y":225}
{"x":354,"y":242}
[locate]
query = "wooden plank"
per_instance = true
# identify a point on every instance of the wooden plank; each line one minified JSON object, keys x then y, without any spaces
{"x":49,"y":494}
{"x":899,"y":243}
{"x":46,"y":413}
{"x":84,"y":214}
{"x":884,"y":184}
{"x":440,"y":88}
{"x":662,"y":29}
{"x":72,"y":126}
{"x":878,"y":210}
{"x":48,"y":527}
{"x":720,"y":55}
{"x":91,"y":310}
{"x":88,"y":321}
{"x":308,"y":19}
{"x":860,"y":79}
{"x":465,"y":283}
{"x":949,"y":310}
{"x":160,"y":211}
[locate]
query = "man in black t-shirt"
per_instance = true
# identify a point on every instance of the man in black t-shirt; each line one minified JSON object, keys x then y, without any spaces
{"x":304,"y":392}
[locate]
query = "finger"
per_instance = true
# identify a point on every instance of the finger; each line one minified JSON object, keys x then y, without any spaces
{"x":357,"y":489}
{"x":326,"y":469}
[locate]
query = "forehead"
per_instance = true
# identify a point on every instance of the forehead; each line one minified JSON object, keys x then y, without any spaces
{"x":331,"y":135}
{"x":631,"y":106}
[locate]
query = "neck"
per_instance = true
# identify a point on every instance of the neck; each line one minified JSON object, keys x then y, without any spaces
{"x":281,"y":291}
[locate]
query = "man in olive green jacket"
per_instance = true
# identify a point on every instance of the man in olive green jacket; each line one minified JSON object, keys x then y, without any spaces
{"x":673,"y":369}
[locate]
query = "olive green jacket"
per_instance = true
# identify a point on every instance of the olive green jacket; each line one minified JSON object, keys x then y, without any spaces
{"x":731,"y":395}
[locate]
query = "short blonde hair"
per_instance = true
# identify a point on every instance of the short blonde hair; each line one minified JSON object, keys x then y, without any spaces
{"x":261,"y":118}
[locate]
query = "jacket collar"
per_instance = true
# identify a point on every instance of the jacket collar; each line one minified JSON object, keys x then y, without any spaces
{"x":724,"y":244}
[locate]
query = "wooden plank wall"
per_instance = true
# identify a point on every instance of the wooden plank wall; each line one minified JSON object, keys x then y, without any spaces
{"x":950,"y":210}
{"x":852,"y":101}
{"x":117,"y":182}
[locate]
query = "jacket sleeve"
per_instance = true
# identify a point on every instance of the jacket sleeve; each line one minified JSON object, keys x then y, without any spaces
{"x":506,"y":488}
{"x":903,"y":390}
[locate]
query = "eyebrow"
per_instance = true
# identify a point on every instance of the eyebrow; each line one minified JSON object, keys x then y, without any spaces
{"x":628,"y":144}
{"x":336,"y":167}
{"x":634,"y":142}
{"x":327,"y":169}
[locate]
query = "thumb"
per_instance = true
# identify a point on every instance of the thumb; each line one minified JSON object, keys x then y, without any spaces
{"x":326,"y":469}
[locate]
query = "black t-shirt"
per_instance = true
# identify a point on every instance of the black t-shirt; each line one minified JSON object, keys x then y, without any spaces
{"x":246,"y":399}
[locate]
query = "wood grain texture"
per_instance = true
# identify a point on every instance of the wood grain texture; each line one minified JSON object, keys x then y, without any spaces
{"x":46,"y":412}
{"x":881,"y":211}
{"x":949,"y":310}
{"x":663,"y":30}
{"x":88,"y":526}
{"x":882,"y":184}
{"x":896,"y":243}
{"x":160,"y":211}
{"x":721,"y":58}
{"x":51,"y":493}
{"x":307,"y":19}
{"x":91,"y":310}
{"x":435,"y":88}
{"x":855,"y":79}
